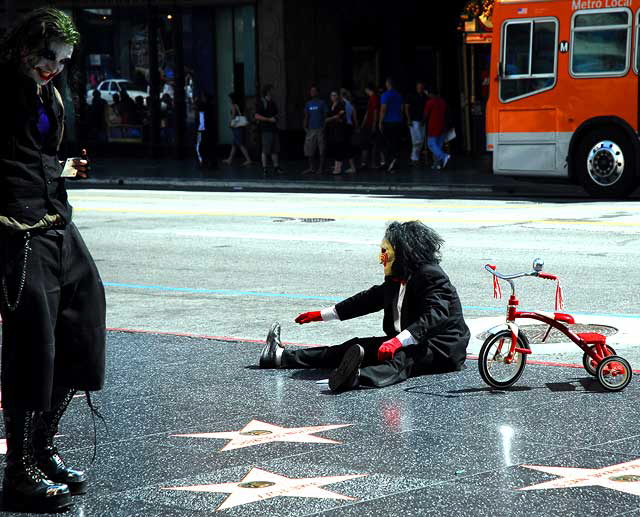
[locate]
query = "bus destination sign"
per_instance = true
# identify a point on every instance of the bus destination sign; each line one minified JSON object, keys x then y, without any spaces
{"x":599,"y":4}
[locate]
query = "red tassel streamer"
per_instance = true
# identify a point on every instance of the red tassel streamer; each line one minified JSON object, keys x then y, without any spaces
{"x":559,"y":297}
{"x":497,"y":291}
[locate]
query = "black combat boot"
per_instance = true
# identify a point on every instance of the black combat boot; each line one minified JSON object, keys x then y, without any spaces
{"x":25,"y":486}
{"x":47,"y":457}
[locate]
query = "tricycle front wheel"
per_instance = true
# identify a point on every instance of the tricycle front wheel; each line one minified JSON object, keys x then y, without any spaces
{"x":493,"y":365}
{"x":614,"y":373}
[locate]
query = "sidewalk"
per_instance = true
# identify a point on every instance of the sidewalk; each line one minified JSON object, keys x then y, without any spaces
{"x":464,"y":177}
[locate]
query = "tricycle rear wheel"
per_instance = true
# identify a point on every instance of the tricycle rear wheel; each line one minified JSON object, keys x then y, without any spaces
{"x":614,"y":373}
{"x":590,"y":365}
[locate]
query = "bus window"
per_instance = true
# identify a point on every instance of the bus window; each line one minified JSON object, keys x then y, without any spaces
{"x":601,"y":43}
{"x":529,"y":58}
{"x":637,"y":45}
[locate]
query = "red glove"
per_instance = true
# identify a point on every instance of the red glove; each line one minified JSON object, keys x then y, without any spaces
{"x":388,"y":349}
{"x":308,"y":317}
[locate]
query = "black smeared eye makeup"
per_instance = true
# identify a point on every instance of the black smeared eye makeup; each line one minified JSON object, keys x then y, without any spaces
{"x":47,"y":53}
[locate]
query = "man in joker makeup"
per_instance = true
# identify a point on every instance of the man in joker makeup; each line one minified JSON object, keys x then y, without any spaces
{"x":51,"y":295}
{"x":423,"y":324}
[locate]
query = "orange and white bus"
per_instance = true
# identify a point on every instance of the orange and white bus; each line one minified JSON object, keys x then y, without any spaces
{"x":564,"y":101}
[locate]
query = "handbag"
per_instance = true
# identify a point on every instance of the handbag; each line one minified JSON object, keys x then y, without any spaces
{"x":239,"y":121}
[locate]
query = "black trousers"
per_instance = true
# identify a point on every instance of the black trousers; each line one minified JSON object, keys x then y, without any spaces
{"x":55,"y":337}
{"x":409,"y":361}
{"x":392,"y":133}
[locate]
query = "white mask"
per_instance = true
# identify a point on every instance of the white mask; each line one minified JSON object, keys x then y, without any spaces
{"x":46,"y":62}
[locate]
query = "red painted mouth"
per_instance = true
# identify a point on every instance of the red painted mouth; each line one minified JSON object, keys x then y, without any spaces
{"x":45,"y":76}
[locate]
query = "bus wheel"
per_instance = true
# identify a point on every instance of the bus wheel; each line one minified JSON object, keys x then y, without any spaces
{"x":606,"y":163}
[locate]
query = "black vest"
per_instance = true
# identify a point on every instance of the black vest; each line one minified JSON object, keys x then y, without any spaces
{"x":30,"y":182}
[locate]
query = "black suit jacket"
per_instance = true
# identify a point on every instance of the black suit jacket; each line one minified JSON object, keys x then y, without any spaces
{"x":431,"y":311}
{"x":30,"y":182}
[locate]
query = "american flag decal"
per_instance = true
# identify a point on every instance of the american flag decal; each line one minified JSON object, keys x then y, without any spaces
{"x":523,"y":10}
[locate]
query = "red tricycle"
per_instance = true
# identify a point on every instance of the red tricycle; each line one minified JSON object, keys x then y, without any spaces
{"x":503,"y":355}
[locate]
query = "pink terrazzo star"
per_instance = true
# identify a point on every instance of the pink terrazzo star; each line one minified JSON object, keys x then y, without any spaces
{"x":623,"y":477}
{"x":257,"y":433}
{"x":259,"y":485}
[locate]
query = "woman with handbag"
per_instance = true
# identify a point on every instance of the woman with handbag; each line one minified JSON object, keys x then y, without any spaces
{"x":238,"y":124}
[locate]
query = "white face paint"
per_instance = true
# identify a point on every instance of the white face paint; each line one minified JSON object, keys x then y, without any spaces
{"x":46,"y":62}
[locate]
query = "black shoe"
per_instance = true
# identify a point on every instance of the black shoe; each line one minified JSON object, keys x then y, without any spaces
{"x":345,"y":376}
{"x":392,"y":166}
{"x":271,"y":355}
{"x":278,"y":170}
{"x":25,"y":487}
{"x":265,"y":171}
{"x":46,"y":454}
{"x":54,"y":468}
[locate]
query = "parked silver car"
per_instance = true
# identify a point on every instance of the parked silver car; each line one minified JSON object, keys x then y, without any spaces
{"x":110,"y":86}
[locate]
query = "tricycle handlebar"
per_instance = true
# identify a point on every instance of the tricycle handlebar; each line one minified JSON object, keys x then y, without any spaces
{"x":546,"y":276}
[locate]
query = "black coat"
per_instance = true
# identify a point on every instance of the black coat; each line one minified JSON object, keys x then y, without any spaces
{"x":30,"y":183}
{"x":431,"y":311}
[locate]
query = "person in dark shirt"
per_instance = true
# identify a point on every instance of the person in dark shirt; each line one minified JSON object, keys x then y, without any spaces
{"x":267,"y":118}
{"x":424,"y":328}
{"x":51,"y":296}
{"x":337,"y":132}
{"x":414,"y":110}
{"x":97,"y":116}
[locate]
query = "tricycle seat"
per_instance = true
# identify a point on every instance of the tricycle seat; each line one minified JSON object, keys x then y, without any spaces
{"x":564,"y":318}
{"x":592,"y":338}
{"x":557,"y":316}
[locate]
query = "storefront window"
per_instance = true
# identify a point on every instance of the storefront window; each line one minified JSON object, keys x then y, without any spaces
{"x":236,"y":62}
{"x":209,"y":50}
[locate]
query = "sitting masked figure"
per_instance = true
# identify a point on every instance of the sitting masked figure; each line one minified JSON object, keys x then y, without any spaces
{"x":425,"y":331}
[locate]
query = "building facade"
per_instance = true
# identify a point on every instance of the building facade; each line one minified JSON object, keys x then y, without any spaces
{"x":174,"y":57}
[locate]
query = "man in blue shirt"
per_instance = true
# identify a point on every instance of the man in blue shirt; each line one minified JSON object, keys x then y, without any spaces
{"x":315,"y":113}
{"x":391,"y":123}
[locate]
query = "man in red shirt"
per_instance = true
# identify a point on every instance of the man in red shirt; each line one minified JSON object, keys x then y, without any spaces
{"x":434,"y":115}
{"x":369,"y":127}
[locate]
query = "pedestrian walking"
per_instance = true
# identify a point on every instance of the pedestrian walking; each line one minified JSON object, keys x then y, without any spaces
{"x":414,"y":111}
{"x":370,"y":137}
{"x":351,"y":119}
{"x":267,"y":118}
{"x":390,"y":124}
{"x":52,"y":299}
{"x":315,"y":115}
{"x":337,"y":132}
{"x":202,"y":135}
{"x":435,"y":113}
{"x":238,"y":124}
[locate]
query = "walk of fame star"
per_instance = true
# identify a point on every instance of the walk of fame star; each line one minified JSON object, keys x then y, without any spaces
{"x":257,"y":433}
{"x":624,"y":477}
{"x":259,"y":485}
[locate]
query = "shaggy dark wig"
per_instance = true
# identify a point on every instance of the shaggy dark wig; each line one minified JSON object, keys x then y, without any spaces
{"x":39,"y":25}
{"x":415,"y":245}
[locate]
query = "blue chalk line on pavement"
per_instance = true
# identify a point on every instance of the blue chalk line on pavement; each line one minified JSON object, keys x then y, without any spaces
{"x":232,"y":292}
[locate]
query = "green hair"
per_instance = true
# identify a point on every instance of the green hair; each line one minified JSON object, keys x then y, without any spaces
{"x":43,"y":24}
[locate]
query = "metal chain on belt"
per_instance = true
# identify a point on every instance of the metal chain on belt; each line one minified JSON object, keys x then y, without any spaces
{"x":11,"y":307}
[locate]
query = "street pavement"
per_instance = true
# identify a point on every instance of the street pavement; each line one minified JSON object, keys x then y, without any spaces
{"x":195,"y":279}
{"x":229,"y":264}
